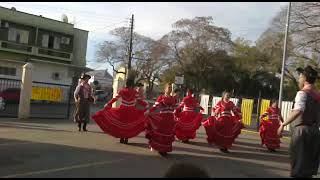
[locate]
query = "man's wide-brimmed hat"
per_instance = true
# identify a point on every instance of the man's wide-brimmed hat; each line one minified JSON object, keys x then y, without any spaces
{"x":308,"y":71}
{"x":85,"y":76}
{"x":139,"y":84}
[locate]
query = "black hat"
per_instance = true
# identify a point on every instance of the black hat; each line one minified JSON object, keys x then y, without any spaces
{"x":139,"y":84}
{"x":84,"y":76}
{"x":308,"y":71}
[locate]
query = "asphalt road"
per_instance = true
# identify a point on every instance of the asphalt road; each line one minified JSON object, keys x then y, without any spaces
{"x":45,"y":110}
{"x":54,"y":148}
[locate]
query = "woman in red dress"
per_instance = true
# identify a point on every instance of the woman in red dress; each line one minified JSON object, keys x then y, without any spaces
{"x":268,"y":128}
{"x":126,"y":121}
{"x":161,"y":123}
{"x":225,"y":125}
{"x":142,"y":105}
{"x":189,"y":120}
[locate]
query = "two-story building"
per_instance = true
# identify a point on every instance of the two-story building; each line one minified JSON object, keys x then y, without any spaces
{"x":56,"y":49}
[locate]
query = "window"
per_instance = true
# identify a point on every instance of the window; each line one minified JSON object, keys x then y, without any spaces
{"x":65,"y":40}
{"x":45,"y":40}
{"x":8,"y":71}
{"x":51,"y":42}
{"x":56,"y":43}
{"x":18,"y":35}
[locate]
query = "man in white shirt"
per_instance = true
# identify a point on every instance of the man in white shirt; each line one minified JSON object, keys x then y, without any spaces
{"x":305,"y":120}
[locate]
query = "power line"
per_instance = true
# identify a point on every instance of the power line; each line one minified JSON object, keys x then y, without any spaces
{"x":105,"y":27}
{"x":112,"y":25}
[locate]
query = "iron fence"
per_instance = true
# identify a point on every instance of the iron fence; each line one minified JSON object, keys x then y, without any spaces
{"x":48,"y":100}
{"x":9,"y":97}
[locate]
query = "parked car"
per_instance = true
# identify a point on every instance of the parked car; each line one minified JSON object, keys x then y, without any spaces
{"x":101,"y":95}
{"x":11,"y":95}
{"x":2,"y":104}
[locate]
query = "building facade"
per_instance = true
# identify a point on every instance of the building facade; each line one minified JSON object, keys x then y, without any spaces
{"x":103,"y":78}
{"x":56,"y":49}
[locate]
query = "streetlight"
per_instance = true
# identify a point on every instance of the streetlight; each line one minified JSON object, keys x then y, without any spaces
{"x":284,"y":55}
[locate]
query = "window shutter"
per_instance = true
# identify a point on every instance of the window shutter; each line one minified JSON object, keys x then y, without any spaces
{"x":45,"y":40}
{"x":12,"y":35}
{"x":56,"y":44}
{"x":24,"y":36}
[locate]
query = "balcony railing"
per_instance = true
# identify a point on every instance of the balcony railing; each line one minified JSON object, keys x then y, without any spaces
{"x":55,"y":53}
{"x":34,"y":50}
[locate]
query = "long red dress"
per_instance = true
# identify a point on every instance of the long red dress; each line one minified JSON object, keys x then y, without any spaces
{"x":189,"y":120}
{"x":123,"y":122}
{"x":225,"y":127}
{"x":161,"y":124}
{"x":268,"y":129}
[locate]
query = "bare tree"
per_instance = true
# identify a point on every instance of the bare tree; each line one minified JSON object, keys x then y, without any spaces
{"x":149,"y":56}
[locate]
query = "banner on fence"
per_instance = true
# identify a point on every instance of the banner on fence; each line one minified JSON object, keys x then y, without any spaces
{"x":286,"y":108}
{"x":215,"y":100}
{"x":265,"y":104}
{"x":204,"y":102}
{"x":46,"y":94}
{"x":234,"y":100}
{"x":246,"y":109}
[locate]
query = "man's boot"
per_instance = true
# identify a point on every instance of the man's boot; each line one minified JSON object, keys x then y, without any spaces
{"x":85,"y":127}
{"x":79,"y":126}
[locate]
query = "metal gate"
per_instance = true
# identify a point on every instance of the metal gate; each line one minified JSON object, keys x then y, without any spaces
{"x":48,"y":100}
{"x":9,"y":97}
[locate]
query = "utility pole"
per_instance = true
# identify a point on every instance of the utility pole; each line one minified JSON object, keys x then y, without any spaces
{"x":130,"y":45}
{"x":284,"y":55}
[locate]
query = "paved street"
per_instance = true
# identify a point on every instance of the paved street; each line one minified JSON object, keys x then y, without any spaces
{"x":54,"y":148}
{"x":46,"y":110}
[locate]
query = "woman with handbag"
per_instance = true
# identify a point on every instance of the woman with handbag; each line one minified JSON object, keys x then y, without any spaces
{"x":83,"y":96}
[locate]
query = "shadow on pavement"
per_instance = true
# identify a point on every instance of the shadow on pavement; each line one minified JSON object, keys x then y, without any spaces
{"x":31,"y":159}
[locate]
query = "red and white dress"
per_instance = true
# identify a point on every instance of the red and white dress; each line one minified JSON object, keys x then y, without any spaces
{"x":225,"y":127}
{"x":189,"y":120}
{"x":123,"y":122}
{"x":161,"y":124}
{"x":268,"y":128}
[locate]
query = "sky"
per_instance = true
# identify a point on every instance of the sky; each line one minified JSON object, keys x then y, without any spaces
{"x":153,"y":19}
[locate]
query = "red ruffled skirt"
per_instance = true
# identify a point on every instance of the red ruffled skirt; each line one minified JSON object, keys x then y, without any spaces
{"x":222,"y":131}
{"x":122,"y":122}
{"x":268,"y":133}
{"x":160,"y":131}
{"x":237,"y":126}
{"x":187,"y":125}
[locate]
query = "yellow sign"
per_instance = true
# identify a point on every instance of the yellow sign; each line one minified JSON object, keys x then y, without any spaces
{"x":246,"y":109}
{"x":264,"y":106}
{"x":46,"y":94}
